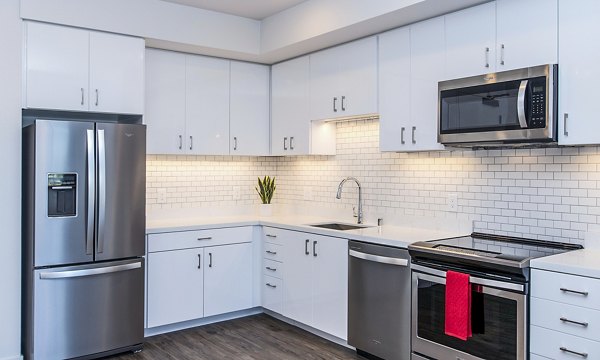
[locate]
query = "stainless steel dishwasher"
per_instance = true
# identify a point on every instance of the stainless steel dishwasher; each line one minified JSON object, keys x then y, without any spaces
{"x":379,"y":300}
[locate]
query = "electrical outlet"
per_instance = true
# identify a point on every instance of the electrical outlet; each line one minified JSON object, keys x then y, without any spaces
{"x":308,"y":193}
{"x":237,"y":193}
{"x":162,"y":196}
{"x":452,"y":202}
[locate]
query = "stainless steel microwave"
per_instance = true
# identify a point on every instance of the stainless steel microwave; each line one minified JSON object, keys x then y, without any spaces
{"x":517,"y":106}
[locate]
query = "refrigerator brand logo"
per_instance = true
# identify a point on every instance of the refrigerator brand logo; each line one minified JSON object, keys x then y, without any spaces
{"x":128,"y":134}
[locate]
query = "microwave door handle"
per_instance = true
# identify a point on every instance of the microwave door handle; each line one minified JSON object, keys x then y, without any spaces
{"x":521,"y":104}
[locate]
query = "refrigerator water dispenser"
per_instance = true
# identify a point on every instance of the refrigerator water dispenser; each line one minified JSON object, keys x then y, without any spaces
{"x":62,"y":195}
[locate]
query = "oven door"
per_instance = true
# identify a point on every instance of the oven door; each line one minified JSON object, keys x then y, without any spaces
{"x":499,"y":323}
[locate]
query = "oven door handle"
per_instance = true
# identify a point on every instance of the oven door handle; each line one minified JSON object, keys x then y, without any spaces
{"x":473,"y":280}
{"x":521,"y":104}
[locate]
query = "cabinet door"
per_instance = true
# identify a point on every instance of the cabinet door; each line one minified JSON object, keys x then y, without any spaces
{"x":175,"y":283}
{"x":165,"y":102}
{"x":526,"y":43}
{"x":470,"y":41}
{"x":578,"y":61}
{"x":207,"y":105}
{"x":228,"y":278}
{"x":325,"y":94}
{"x":330,"y":289}
{"x":249,"y":118}
{"x":290,"y":116}
{"x":394,"y":90}
{"x":297,"y":277}
{"x":427,"y":59}
{"x":116,"y":73}
{"x":56,"y":67}
{"x":358,"y":65}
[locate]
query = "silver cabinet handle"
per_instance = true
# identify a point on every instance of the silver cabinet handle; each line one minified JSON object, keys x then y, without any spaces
{"x":199,"y":262}
{"x":564,"y":319}
{"x":521,"y":104}
{"x":204,"y":238}
{"x":191,"y":142}
{"x":502,"y":54}
{"x":97,"y":97}
{"x":402,"y":136}
{"x":414,"y":128}
{"x":271,"y":235}
{"x":291,"y":143}
{"x":235,"y":143}
{"x":89,"y":272}
{"x":315,"y":248}
{"x":343,"y":105}
{"x":565,"y":118}
{"x":209,"y":260}
{"x":271,"y":252}
{"x":306,"y":247}
{"x":82,"y":95}
{"x":101,"y":189}
{"x":564,"y":349}
{"x":377,"y":258}
{"x":271,"y":286}
{"x":91,"y":192}
{"x":180,"y":142}
{"x":284,"y":143}
{"x":334,"y":108}
{"x":270,"y":268}
{"x":583,"y":293}
{"x":487,"y":57}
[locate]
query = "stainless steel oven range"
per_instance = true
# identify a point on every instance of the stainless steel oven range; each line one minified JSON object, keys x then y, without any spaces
{"x":499,"y":266}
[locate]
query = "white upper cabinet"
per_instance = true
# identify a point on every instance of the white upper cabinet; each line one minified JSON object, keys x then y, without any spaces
{"x":470,"y":41}
{"x":116,"y":73}
{"x":249,"y":109}
{"x":526,"y":43}
{"x":343,"y":80}
{"x":578,"y":67}
{"x":426,"y":70}
{"x":165,"y":102}
{"x":80,"y":70}
{"x":207,"y":105}
{"x":292,"y":132}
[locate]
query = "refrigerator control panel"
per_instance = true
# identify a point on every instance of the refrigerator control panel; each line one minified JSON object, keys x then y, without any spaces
{"x":62,"y":195}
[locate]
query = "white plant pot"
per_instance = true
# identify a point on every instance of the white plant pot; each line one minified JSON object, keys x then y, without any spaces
{"x":266,"y":210}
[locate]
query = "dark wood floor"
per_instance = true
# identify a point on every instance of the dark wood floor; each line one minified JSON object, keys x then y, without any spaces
{"x":257,"y":337}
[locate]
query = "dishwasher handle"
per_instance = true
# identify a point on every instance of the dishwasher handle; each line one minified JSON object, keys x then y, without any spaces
{"x":378,"y":258}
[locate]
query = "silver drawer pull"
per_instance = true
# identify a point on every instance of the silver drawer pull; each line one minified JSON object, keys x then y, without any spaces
{"x":584,"y":293}
{"x":564,"y":349}
{"x":271,"y":269}
{"x":274,"y":286}
{"x":205,"y":238}
{"x":271,"y":235}
{"x":271,"y":252}
{"x":564,"y":319}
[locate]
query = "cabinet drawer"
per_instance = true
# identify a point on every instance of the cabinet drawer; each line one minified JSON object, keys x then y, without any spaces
{"x":272,"y":295}
{"x":272,"y":252}
{"x":576,"y":290}
{"x":273,"y":235}
{"x":548,"y":343}
{"x":272,"y":268}
{"x":537,"y":357}
{"x":576,"y":321}
{"x":198,"y":238}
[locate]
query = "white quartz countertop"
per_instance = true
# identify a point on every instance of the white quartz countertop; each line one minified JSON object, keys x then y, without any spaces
{"x":392,"y":235}
{"x":584,"y":262}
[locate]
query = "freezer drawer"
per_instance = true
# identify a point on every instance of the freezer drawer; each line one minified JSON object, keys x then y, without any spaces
{"x":88,"y":309}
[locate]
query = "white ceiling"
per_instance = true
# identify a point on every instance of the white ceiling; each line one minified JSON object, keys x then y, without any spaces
{"x":253,"y":9}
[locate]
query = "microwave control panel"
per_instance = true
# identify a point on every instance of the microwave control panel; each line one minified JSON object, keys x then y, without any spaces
{"x":537,"y":115}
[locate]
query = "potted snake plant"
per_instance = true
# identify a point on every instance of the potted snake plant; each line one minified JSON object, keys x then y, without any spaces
{"x":266,"y":189}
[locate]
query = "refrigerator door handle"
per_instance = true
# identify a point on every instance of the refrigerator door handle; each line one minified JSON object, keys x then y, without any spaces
{"x":89,"y":272}
{"x":101,"y":189}
{"x":91,"y":193}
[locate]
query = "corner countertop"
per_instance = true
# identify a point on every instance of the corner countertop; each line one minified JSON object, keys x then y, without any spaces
{"x":582,"y":262}
{"x":391,"y":235}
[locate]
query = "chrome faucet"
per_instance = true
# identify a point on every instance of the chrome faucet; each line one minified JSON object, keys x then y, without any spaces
{"x":339,"y":196}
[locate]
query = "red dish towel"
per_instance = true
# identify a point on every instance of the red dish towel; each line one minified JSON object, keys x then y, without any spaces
{"x":458,"y":305}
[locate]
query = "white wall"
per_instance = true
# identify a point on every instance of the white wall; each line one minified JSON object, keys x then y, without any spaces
{"x":10,"y":181}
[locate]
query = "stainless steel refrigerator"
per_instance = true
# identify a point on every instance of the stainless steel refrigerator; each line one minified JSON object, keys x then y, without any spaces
{"x":83,"y":238}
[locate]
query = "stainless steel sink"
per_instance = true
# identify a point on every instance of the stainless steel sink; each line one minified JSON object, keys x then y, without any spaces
{"x":338,"y":226}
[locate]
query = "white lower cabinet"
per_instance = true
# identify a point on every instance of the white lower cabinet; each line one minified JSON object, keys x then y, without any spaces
{"x":187,"y":283}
